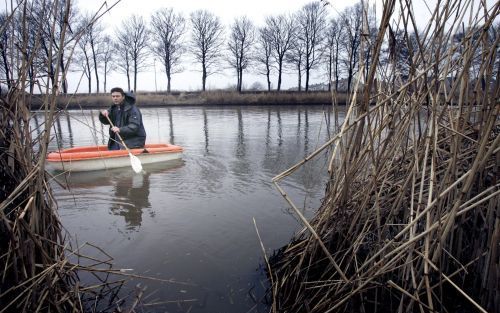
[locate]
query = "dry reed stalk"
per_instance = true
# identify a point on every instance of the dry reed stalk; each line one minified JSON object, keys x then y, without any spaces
{"x":413,"y":194}
{"x":37,"y":272}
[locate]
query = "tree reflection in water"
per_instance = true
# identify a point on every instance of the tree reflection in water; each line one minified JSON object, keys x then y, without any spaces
{"x":131,"y":197}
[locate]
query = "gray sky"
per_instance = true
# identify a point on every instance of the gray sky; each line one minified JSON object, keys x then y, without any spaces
{"x":227,"y":10}
{"x":190,"y":79}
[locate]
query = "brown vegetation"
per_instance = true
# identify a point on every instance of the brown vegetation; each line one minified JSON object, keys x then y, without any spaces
{"x":410,"y":221}
{"x":151,"y":99}
{"x":39,"y":269}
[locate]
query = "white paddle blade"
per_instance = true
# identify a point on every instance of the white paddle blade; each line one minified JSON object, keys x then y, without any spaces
{"x":136,"y":163}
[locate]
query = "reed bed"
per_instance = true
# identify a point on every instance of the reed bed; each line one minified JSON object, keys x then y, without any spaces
{"x":152,"y":99}
{"x":410,"y":218}
{"x":39,"y":269}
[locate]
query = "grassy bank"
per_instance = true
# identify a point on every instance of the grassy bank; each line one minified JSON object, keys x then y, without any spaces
{"x":152,"y":99}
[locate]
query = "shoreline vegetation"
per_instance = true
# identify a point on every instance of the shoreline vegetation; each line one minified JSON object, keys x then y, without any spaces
{"x":147,"y":99}
{"x":195,"y":98}
{"x":410,"y":220}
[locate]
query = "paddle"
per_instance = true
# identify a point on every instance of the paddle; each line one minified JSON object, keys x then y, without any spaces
{"x":134,"y":161}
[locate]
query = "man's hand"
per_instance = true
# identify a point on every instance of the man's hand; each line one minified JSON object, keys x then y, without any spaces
{"x":105,"y":113}
{"x":115,"y":129}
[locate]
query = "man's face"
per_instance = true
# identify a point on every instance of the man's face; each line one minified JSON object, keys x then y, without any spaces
{"x":117,"y":97}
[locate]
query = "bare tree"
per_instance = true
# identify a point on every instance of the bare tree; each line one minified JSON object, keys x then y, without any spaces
{"x":133,"y":36}
{"x":95,"y":37}
{"x":84,"y":57}
{"x":31,"y":32}
{"x":240,"y":45}
{"x":281,"y":33}
{"x":369,"y":34}
{"x":5,"y":67}
{"x":123,"y":56}
{"x":52,"y":29}
{"x":296,"y":58}
{"x":168,"y":29}
{"x":332,"y":46}
{"x":310,"y":34}
{"x":351,"y":21}
{"x":207,"y":41}
{"x":91,"y":46}
{"x":264,"y":53}
{"x":108,"y":57}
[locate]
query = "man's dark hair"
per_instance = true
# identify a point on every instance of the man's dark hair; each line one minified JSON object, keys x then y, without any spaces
{"x":118,"y":89}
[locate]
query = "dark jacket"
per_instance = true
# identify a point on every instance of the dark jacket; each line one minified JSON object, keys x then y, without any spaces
{"x":129,"y":121}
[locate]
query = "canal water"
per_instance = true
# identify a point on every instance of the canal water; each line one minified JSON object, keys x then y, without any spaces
{"x":192,"y":222}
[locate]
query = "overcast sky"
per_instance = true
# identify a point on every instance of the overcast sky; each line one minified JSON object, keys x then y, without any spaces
{"x":227,"y":10}
{"x":190,"y":79}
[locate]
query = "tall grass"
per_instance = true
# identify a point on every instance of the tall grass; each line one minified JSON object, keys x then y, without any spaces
{"x":39,"y":269}
{"x":410,"y":220}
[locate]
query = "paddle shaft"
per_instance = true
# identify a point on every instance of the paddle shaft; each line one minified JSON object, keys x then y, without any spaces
{"x":118,"y":133}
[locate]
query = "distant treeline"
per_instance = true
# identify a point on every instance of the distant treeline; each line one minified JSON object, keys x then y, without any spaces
{"x":309,"y":42}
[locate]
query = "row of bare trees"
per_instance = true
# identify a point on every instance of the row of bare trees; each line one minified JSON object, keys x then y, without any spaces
{"x":308,"y":43}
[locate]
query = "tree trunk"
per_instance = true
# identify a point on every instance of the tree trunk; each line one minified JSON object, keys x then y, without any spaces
{"x":280,"y":66}
{"x":105,"y":75}
{"x":238,"y":79}
{"x":330,"y":65}
{"x":135,"y":77}
{"x":241,"y":80}
{"x":268,"y":76}
{"x":95,"y":66}
{"x":63,"y":69}
{"x":337,"y":67}
{"x":6,"y":66}
{"x":32,"y":78}
{"x":203,"y":77}
{"x":299,"y":87}
{"x":128,"y":79}
{"x":89,"y":78}
{"x":168,"y":82}
{"x":308,"y":68}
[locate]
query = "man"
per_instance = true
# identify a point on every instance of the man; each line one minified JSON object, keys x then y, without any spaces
{"x":127,"y":121}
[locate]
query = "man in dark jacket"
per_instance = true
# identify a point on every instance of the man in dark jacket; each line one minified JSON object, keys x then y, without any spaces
{"x":127,"y":121}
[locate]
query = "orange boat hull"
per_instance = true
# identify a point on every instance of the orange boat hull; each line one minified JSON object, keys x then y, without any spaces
{"x":91,"y":158}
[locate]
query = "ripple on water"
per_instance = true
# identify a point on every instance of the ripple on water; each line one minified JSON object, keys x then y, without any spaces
{"x":194,"y":221}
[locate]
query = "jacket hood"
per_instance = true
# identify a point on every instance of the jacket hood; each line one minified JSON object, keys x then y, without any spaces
{"x":130,"y":97}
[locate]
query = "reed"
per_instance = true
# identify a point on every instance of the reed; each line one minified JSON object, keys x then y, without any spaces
{"x":39,"y":269}
{"x":410,"y":219}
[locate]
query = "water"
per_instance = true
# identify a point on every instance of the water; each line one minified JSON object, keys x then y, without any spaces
{"x":192,"y":221}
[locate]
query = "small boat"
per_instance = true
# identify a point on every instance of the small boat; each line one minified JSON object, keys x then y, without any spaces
{"x":92,"y":158}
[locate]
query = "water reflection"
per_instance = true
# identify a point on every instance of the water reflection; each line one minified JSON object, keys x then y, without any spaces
{"x":37,"y":125}
{"x":131,"y":191}
{"x":280,"y":128}
{"x":205,"y":129}
{"x":241,"y":167}
{"x":97,"y":128}
{"x":268,"y":130}
{"x":240,"y":146}
{"x":171,"y":123}
{"x":70,"y":131}
{"x":58,"y":132}
{"x":194,"y":222}
{"x":306,"y":132}
{"x":130,"y":198}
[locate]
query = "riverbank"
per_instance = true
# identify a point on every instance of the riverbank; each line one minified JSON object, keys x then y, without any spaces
{"x":161,"y":99}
